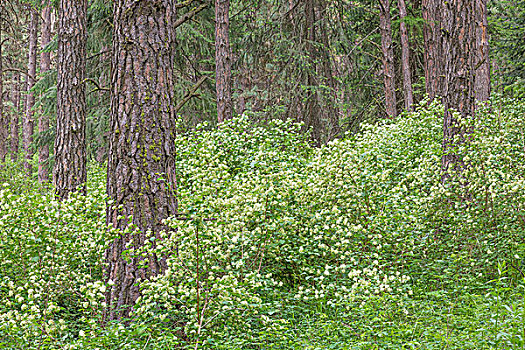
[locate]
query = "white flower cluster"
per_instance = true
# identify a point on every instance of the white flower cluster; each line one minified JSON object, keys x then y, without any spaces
{"x":268,"y":223}
{"x":50,"y":261}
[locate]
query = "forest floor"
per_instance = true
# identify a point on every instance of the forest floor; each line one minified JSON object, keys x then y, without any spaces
{"x":462,"y":318}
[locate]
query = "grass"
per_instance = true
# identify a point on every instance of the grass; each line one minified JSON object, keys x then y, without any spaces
{"x":466,"y":317}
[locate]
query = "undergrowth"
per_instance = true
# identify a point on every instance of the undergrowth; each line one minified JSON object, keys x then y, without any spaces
{"x":355,"y":245}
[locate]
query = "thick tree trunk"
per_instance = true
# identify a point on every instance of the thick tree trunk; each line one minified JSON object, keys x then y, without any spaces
{"x":223,"y":69}
{"x":141,"y":166}
{"x":43,"y":122}
{"x":388,"y":58}
{"x":15,"y":116}
{"x":69,"y":173}
{"x":27,"y":132}
{"x":482,"y":79}
{"x":405,"y":57}
{"x":459,"y":51}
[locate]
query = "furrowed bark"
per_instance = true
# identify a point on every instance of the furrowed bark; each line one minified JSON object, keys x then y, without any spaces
{"x":459,"y":48}
{"x":482,"y":78}
{"x":312,"y":108}
{"x":405,"y":57}
{"x":388,"y":58}
{"x":69,"y":173}
{"x":434,"y":75}
{"x":3,"y":116}
{"x":15,"y":116}
{"x":141,"y":166}
{"x":223,"y":70}
{"x":28,"y":122}
{"x":43,"y":122}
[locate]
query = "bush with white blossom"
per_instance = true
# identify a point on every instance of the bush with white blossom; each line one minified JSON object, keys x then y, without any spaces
{"x":269,"y":224}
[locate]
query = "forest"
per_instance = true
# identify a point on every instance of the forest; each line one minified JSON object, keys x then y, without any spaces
{"x":262,"y":174}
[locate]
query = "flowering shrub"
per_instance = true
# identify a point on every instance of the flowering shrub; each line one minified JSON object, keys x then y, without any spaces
{"x":50,"y":263}
{"x":269,"y":228}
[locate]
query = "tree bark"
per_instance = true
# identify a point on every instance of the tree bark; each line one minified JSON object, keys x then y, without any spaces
{"x":141,"y":177}
{"x":454,"y":39}
{"x":15,"y":116}
{"x":223,"y":73}
{"x":312,"y":109}
{"x":27,"y":132}
{"x":434,"y":75}
{"x":459,"y":51}
{"x":3,"y":118}
{"x":388,"y":58}
{"x":43,"y":122}
{"x":482,"y":78}
{"x":405,"y":57}
{"x":69,"y":173}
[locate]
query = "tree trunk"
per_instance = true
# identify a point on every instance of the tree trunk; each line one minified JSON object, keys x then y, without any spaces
{"x":43,"y":122}
{"x":3,"y":118}
{"x":69,"y":173}
{"x":405,"y":57}
{"x":482,"y":78}
{"x":27,"y":137}
{"x":459,"y":51}
{"x":388,"y":58}
{"x":223,"y":70}
{"x":15,"y":116}
{"x":434,"y":75}
{"x":141,"y":167}
{"x":312,"y":109}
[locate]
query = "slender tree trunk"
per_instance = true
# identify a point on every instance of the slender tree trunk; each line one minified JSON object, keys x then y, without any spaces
{"x":459,"y":51}
{"x":43,"y":122}
{"x":69,"y":173}
{"x":405,"y":57}
{"x":434,"y":75}
{"x":388,"y":58}
{"x":15,"y":116}
{"x":27,"y":137}
{"x":223,"y":70}
{"x":482,"y":79}
{"x":141,"y":166}
{"x":3,"y":118}
{"x":312,"y":109}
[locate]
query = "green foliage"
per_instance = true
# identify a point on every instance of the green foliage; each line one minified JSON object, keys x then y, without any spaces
{"x":50,"y":264}
{"x":359,"y":244}
{"x":507,"y":25}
